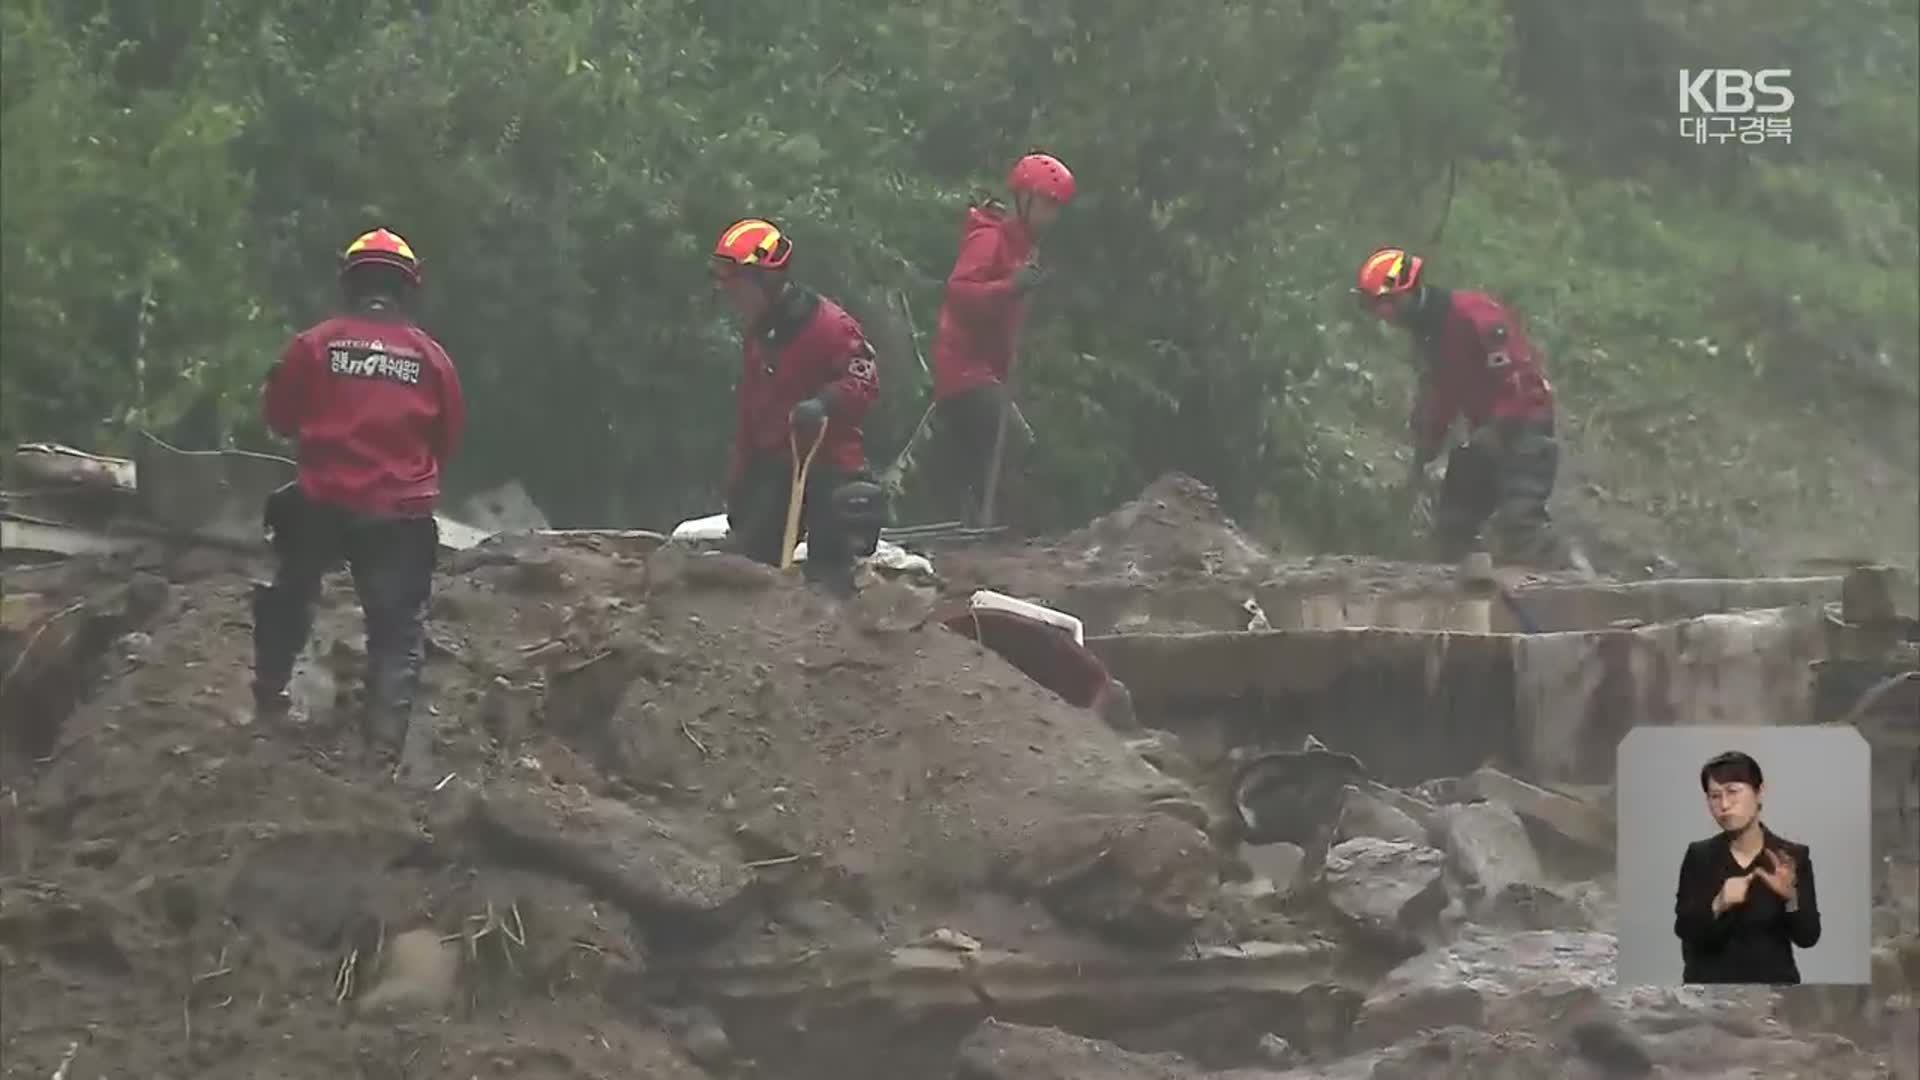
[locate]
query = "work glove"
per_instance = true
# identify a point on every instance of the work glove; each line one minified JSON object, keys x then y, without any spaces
{"x":807,"y":417}
{"x":1028,"y":277}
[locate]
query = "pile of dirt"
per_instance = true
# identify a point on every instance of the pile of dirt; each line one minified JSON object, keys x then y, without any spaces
{"x":1172,"y":561}
{"x":633,"y":759}
{"x":1174,"y":530}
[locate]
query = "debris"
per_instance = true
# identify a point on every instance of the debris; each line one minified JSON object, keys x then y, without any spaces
{"x":944,"y":938}
{"x":1388,"y":888}
{"x":676,"y":875}
{"x":419,"y":973}
{"x":1256,"y":617}
{"x":1581,"y":822}
{"x":1043,"y":648}
{"x":1365,"y":814}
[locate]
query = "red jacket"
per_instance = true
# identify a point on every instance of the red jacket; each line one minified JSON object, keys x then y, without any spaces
{"x":982,"y":315}
{"x":1479,"y":364}
{"x":807,"y":345}
{"x":376,"y":407}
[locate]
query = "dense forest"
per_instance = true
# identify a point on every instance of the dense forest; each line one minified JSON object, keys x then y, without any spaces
{"x":1734,"y":329}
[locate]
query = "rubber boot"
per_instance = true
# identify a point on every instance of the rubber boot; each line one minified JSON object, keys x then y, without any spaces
{"x":833,"y":577}
{"x":281,"y":623}
{"x":393,"y":681}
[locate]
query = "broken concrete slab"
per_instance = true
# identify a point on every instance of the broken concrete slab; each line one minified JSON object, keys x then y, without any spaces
{"x":1001,"y":1051}
{"x":1583,"y":823}
{"x":1364,"y":813}
{"x":1489,"y":847}
{"x":1278,"y":865}
{"x":676,"y":873}
{"x":1145,"y":877}
{"x":1138,"y":995}
{"x":1550,"y":707}
{"x":1388,"y":889}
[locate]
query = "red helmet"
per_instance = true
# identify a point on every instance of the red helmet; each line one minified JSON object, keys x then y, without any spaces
{"x":385,"y":248}
{"x":1042,"y":174}
{"x":1387,"y":272}
{"x":754,"y":242}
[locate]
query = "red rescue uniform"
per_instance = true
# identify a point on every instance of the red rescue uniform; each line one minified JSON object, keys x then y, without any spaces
{"x":806,"y":347}
{"x":1479,"y":365}
{"x":376,"y":407}
{"x":982,"y":314}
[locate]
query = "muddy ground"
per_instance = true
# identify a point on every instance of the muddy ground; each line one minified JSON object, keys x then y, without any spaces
{"x":675,"y":811}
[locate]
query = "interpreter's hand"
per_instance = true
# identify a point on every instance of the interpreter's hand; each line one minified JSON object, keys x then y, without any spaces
{"x":807,"y":417}
{"x":1733,"y":892}
{"x":1028,"y":278}
{"x":1780,"y":873}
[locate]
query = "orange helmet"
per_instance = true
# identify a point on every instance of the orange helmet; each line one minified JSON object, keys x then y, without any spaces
{"x":1387,"y":272}
{"x":1042,"y":174}
{"x":384,"y":247}
{"x":756,"y":243}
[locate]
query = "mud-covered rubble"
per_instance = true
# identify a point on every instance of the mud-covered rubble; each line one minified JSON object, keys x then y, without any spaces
{"x":686,"y":818}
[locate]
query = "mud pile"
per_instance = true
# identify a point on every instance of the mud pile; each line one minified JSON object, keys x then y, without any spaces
{"x":1173,"y":561}
{"x":634,"y":759}
{"x":680,"y":817}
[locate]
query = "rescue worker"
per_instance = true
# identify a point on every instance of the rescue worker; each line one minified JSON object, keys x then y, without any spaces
{"x":1475,"y":362}
{"x":375,"y":406}
{"x":806,"y":365}
{"x":981,"y":320}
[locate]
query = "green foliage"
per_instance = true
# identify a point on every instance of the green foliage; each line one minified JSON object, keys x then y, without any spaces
{"x":179,"y":177}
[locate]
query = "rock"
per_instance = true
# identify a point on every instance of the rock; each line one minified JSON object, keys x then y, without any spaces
{"x":1611,"y":1048}
{"x":1277,"y":864}
{"x":419,"y":973}
{"x":677,"y":874}
{"x":1277,"y":1052}
{"x":1163,"y":751}
{"x":1460,"y":1053}
{"x":1001,"y":1051}
{"x":699,"y":1030}
{"x":892,"y":607}
{"x":1489,"y":848}
{"x":1388,"y":888}
{"x":725,"y":570}
{"x":1137,"y":878}
{"x":1521,"y":906}
{"x":1578,"y":821}
{"x":97,"y":853}
{"x":1365,"y":814}
{"x":1544,"y":982}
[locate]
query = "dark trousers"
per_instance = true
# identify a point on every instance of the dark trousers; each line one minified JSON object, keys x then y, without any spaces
{"x":757,"y":519}
{"x":392,"y":561}
{"x":1507,"y":477}
{"x":966,"y":425}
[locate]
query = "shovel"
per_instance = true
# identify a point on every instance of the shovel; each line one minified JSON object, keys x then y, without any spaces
{"x":797,"y":492}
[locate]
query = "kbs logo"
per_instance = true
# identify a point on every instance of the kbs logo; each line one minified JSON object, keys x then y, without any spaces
{"x":1720,"y":103}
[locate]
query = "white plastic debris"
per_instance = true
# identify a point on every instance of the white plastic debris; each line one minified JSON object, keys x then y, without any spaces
{"x":713,"y":527}
{"x":887,"y":556}
{"x":988,"y":600}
